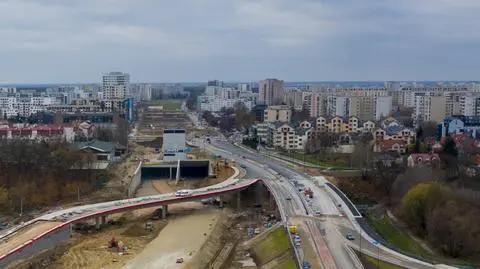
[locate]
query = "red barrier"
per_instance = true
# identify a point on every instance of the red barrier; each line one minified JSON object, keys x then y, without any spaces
{"x":124,"y":208}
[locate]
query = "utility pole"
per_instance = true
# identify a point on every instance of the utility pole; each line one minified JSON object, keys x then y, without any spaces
{"x":21,"y":206}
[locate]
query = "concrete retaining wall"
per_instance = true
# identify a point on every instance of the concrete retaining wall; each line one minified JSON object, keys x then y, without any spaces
{"x":44,"y":243}
{"x":136,"y":181}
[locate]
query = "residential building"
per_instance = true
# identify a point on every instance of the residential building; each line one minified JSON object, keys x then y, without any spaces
{"x":174,"y":145}
{"x":115,"y":85}
{"x":470,"y":105}
{"x":115,"y":88}
{"x":421,"y":159}
{"x":270,"y":92}
{"x":394,"y":145}
{"x":429,"y":108}
{"x":469,"y":125}
{"x":262,"y":130}
{"x":215,"y":104}
{"x":105,"y":153}
{"x":395,"y":133}
{"x":383,"y":107}
{"x":316,"y":103}
{"x":278,"y":113}
{"x":259,"y":112}
{"x":286,"y":137}
{"x":38,"y":131}
{"x":294,"y":98}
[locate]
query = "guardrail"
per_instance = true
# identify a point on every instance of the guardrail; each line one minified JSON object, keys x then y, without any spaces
{"x":284,"y":218}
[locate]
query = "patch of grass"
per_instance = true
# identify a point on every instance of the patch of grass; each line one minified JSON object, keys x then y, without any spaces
{"x":273,"y":245}
{"x":169,"y":104}
{"x":288,"y":264}
{"x":385,"y":228}
{"x":398,"y":238}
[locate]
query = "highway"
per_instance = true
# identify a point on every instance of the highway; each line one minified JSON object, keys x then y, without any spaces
{"x":325,"y":200}
{"x":282,"y":178}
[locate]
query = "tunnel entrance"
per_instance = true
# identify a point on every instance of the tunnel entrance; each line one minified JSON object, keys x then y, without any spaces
{"x":189,"y":169}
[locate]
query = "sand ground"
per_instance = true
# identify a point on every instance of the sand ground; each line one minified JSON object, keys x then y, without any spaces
{"x":181,"y":238}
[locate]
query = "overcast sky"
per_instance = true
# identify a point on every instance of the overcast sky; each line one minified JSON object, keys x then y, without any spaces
{"x":239,"y":40}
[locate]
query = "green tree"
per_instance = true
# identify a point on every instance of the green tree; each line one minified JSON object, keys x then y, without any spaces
{"x":420,"y":201}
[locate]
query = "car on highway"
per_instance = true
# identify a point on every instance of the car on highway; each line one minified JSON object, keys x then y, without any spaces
{"x":288,"y":198}
{"x":350,"y":236}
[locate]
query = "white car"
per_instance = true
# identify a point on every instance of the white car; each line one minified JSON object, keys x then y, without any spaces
{"x":183,"y":193}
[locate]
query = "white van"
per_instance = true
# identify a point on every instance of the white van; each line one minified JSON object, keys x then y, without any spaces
{"x":183,"y":193}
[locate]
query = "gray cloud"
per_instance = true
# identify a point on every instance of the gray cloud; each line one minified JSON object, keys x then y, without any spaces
{"x":196,"y":40}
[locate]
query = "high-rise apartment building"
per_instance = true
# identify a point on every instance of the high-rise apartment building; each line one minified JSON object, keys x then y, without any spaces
{"x":383,"y":107}
{"x":429,"y":108}
{"x":470,"y":105}
{"x":270,"y":92}
{"x":115,"y":85}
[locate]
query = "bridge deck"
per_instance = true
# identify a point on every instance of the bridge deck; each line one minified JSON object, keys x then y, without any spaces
{"x":24,"y":235}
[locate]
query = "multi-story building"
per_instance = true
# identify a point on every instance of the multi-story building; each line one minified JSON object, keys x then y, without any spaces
{"x":429,"y":108}
{"x":286,"y":137}
{"x":316,"y":103}
{"x":270,"y":92}
{"x":294,"y":98}
{"x":24,"y":106}
{"x":115,"y":89}
{"x":469,"y":125}
{"x":470,"y":105}
{"x":38,"y":132}
{"x":278,"y":113}
{"x":215,"y":104}
{"x":383,"y":106}
{"x":115,"y":85}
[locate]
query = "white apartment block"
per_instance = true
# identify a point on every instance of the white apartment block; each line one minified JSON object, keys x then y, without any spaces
{"x":470,"y":105}
{"x":383,"y":106}
{"x":214,"y":104}
{"x":24,"y":106}
{"x":429,"y":108}
{"x":115,"y":85}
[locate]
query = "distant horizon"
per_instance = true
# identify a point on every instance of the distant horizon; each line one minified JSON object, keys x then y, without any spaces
{"x":286,"y":83}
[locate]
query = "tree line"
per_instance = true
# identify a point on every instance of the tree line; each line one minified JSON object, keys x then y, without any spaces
{"x":35,"y":174}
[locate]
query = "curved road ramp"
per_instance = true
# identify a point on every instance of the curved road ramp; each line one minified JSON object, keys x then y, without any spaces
{"x":47,"y":231}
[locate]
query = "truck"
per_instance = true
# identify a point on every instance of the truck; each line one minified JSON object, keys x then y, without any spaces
{"x":293,"y":229}
{"x":308,"y":192}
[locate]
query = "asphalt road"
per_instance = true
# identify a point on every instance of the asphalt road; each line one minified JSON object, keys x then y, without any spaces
{"x":282,"y":180}
{"x":333,"y":233}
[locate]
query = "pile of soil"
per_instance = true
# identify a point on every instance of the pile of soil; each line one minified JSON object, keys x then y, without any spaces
{"x":140,"y":230}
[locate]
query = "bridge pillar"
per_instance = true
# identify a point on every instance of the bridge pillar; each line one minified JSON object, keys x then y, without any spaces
{"x":104,"y":220}
{"x":164,"y":211}
{"x":98,"y":223}
{"x":178,"y":171}
{"x":239,"y":202}
{"x":220,"y":200}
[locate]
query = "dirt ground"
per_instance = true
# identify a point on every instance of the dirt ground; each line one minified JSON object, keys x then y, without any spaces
{"x":26,"y":234}
{"x":177,"y":240}
{"x":91,"y":251}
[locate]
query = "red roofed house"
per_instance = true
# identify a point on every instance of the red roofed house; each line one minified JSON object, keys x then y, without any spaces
{"x":396,"y":145}
{"x":419,"y":159}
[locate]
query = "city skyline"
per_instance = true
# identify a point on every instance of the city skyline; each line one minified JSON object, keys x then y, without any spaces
{"x":75,"y":41}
